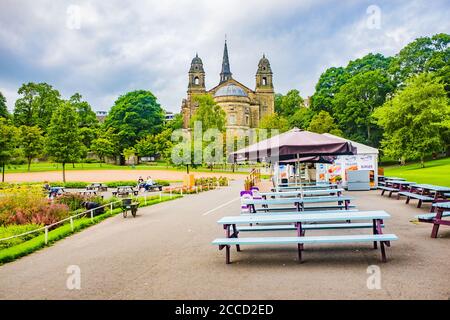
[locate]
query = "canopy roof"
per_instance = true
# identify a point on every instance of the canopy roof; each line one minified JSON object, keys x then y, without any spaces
{"x":311,"y":159}
{"x":293,"y":144}
{"x":360,"y":148}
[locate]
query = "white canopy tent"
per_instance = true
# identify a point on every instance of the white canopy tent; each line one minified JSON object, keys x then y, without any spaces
{"x":366,"y":158}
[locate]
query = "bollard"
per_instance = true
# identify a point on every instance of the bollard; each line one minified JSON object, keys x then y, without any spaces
{"x":46,"y":235}
{"x":92,"y":215}
{"x":71,"y":223}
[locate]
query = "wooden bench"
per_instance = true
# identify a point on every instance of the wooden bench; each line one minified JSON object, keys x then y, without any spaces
{"x":436,"y":218}
{"x":300,"y":241}
{"x":390,"y":189}
{"x":301,"y":221}
{"x":310,"y":208}
{"x":290,"y":227}
{"x":417,"y":196}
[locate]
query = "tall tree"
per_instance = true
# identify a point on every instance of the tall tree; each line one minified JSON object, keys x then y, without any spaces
{"x":274,"y":122}
{"x":301,"y":118}
{"x":355,"y":102}
{"x":326,"y":88}
{"x":63,"y":140}
{"x":287,"y":105}
{"x":323,"y":122}
{"x":416,"y":119}
{"x":86,"y":117}
{"x":32,"y":142}
{"x":3,"y":108}
{"x":133,"y":116}
{"x":36,"y":105}
{"x":423,"y":54}
{"x":209,"y":113}
{"x":8,"y":143}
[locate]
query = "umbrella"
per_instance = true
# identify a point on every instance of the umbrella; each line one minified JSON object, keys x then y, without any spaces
{"x":293,"y":144}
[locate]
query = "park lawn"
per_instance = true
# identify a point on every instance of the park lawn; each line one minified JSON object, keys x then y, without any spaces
{"x":50,"y":166}
{"x":436,"y":172}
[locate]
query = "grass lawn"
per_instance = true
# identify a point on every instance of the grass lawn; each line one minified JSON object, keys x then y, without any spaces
{"x":435,"y":172}
{"x":49,"y":166}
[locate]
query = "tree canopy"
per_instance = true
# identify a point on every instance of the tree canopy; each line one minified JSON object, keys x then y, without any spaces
{"x":323,"y":122}
{"x":416,"y":119}
{"x":3,"y":108}
{"x":209,"y":113}
{"x":133,"y":116}
{"x":287,"y":105}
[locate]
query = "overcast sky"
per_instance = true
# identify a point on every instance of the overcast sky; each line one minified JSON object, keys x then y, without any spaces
{"x":103,"y":49}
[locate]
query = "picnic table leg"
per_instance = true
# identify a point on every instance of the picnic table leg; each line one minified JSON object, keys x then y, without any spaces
{"x":436,"y":224}
{"x":375,"y":244}
{"x":346,"y":203}
{"x":235,"y":235}
{"x":407,"y":199}
{"x":227,"y":247}
{"x":300,"y":233}
{"x":382,"y":243}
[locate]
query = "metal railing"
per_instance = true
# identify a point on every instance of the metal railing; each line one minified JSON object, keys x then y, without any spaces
{"x":91,"y":212}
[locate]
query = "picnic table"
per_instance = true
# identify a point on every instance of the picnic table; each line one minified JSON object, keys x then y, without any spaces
{"x":125,"y":191}
{"x":317,"y":186}
{"x":298,"y":193}
{"x":88,"y":192}
{"x":394,"y":178}
{"x":100,"y":187}
{"x":299,"y":203}
{"x":442,"y":210}
{"x":439,"y":192}
{"x":395,"y":186}
{"x":303,"y":222}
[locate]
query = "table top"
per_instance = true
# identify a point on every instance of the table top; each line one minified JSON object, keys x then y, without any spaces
{"x":320,"y":186}
{"x":400,"y":182}
{"x":307,"y":192}
{"x":445,"y":205}
{"x":394,"y":178}
{"x":305,"y":217}
{"x":297,"y":200}
{"x":432,"y":187}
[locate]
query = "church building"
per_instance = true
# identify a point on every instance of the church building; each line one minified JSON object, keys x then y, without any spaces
{"x":243,"y":106}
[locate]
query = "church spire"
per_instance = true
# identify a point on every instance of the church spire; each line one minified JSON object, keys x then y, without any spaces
{"x":226,"y":73}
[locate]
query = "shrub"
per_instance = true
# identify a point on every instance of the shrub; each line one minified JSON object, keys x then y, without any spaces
{"x":74,"y":200}
{"x":12,"y":230}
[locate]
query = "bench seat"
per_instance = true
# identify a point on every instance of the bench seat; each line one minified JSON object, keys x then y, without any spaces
{"x":431,"y":216}
{"x":416,"y":196}
{"x":327,"y":226}
{"x":384,"y":239}
{"x":390,"y":189}
{"x":310,"y":208}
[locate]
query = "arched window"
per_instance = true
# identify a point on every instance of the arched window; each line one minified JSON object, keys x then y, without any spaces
{"x":196,"y":80}
{"x":264,"y":81}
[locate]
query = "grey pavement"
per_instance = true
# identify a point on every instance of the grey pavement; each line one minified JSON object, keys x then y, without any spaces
{"x":166,"y":253}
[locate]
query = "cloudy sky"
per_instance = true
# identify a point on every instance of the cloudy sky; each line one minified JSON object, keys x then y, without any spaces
{"x":103,"y":49}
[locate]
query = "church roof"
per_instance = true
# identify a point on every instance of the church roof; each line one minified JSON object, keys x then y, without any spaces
{"x":230,"y":90}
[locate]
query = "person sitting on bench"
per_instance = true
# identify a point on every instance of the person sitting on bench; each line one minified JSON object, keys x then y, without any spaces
{"x":149,"y":183}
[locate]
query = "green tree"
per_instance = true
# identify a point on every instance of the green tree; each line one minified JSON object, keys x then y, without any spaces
{"x":146,"y":147}
{"x":301,"y":118}
{"x":103,"y":147}
{"x":32,"y":142}
{"x":63,"y":140}
{"x":36,"y":105}
{"x":416,"y":119}
{"x":274,"y":121}
{"x":356,"y":101}
{"x":328,"y":85}
{"x":209,"y":113}
{"x":86,"y":117}
{"x":3,"y":108}
{"x":422,"y":55}
{"x":8,"y":143}
{"x":323,"y":122}
{"x":133,"y":116}
{"x":287,"y":105}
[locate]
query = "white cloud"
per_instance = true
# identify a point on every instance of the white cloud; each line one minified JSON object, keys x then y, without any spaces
{"x":122,"y":46}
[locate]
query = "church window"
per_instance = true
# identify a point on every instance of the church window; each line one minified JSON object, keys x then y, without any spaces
{"x":196,"y":80}
{"x":232,"y":119}
{"x":264,"y":81}
{"x":247,"y":119}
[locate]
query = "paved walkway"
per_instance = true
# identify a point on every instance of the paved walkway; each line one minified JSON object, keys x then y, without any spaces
{"x":165,"y":253}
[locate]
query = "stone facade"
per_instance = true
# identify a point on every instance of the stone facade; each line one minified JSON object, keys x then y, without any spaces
{"x":243,"y":106}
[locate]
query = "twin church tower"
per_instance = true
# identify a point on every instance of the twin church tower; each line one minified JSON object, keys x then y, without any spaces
{"x":243,"y":106}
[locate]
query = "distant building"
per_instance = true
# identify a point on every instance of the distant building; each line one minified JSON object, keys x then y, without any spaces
{"x":243,"y":106}
{"x":307,"y":102}
{"x":101,"y":115}
{"x":169,"y":115}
